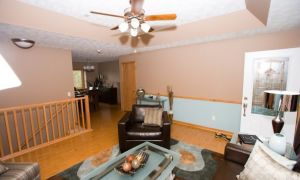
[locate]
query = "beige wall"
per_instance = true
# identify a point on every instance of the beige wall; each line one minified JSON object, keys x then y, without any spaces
{"x":46,"y":74}
{"x":110,"y":70}
{"x":212,"y":70}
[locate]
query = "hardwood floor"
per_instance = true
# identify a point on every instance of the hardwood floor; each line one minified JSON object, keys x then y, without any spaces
{"x":58,"y":157}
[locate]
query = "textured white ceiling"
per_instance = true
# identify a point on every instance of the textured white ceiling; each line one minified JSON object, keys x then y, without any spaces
{"x":186,"y":10}
{"x":82,"y":49}
{"x":283,"y":15}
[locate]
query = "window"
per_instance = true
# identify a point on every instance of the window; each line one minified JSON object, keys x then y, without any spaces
{"x":78,"y":79}
{"x":269,"y":74}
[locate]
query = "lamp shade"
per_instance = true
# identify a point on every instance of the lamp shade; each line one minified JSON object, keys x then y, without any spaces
{"x":8,"y":78}
{"x":283,"y":101}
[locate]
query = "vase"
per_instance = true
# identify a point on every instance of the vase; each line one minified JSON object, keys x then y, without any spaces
{"x":278,"y":143}
{"x":170,"y":114}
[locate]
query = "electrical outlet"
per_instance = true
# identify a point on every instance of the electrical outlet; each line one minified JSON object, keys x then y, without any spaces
{"x":213,"y":117}
{"x":69,"y":94}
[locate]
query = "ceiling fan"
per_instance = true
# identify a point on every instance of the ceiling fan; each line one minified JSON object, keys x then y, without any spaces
{"x":135,"y":18}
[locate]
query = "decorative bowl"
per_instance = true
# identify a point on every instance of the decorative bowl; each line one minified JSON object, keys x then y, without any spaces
{"x":137,"y":163}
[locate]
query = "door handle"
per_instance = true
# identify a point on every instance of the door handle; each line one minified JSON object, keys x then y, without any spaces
{"x":245,"y":105}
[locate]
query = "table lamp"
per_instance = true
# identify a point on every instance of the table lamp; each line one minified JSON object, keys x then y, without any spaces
{"x":280,"y":101}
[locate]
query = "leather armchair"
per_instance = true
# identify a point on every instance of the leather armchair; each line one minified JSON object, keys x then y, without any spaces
{"x":132,"y":132}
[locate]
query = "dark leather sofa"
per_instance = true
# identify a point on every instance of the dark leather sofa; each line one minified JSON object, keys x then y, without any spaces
{"x":132,"y":132}
{"x":232,"y":163}
{"x":21,"y":171}
{"x":234,"y":159}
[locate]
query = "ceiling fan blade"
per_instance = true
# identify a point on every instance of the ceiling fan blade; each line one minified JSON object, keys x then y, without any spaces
{"x":106,"y":14}
{"x":136,"y":6}
{"x":115,"y":28}
{"x":160,"y":17}
{"x":163,"y":28}
{"x":151,"y":29}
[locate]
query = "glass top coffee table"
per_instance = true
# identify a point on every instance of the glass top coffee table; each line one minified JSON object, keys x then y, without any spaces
{"x":159,"y":166}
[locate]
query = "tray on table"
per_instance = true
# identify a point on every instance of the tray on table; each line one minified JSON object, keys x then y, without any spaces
{"x":160,"y":164}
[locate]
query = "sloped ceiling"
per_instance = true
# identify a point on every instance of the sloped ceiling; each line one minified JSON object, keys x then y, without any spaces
{"x":188,"y":11}
{"x":67,"y":24}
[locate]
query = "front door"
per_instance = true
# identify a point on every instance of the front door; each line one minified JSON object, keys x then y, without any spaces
{"x":268,"y":70}
{"x":128,"y":85}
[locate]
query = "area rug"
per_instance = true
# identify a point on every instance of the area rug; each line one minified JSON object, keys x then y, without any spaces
{"x":195,"y":163}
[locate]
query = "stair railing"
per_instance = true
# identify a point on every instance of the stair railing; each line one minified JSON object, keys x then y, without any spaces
{"x":26,"y":128}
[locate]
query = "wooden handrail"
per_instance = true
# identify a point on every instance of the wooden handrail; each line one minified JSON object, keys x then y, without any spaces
{"x":40,"y":104}
{"x":23,"y":124}
{"x":39,"y":129}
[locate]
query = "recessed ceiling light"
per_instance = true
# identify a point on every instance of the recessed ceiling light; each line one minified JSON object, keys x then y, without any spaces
{"x":23,"y":43}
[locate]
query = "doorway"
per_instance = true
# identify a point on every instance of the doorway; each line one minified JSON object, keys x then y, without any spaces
{"x":128,"y":85}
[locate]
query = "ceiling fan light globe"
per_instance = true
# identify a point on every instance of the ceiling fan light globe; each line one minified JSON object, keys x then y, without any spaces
{"x":123,"y":27}
{"x":133,"y":32}
{"x":145,"y":27}
{"x":135,"y":23}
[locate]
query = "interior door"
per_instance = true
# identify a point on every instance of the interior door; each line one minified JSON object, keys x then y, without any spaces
{"x":128,"y":85}
{"x":265,"y":70}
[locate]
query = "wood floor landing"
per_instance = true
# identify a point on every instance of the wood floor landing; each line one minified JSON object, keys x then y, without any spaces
{"x":58,"y":157}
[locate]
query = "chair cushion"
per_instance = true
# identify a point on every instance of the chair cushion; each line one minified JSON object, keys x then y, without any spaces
{"x":282,"y":160}
{"x":21,"y":171}
{"x":138,"y":112}
{"x":153,"y":117}
{"x":140,"y":132}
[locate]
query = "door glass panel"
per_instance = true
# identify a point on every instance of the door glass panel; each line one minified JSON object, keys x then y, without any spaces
{"x":269,"y":74}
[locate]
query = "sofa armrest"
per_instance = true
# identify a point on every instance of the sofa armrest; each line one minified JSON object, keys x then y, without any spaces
{"x":125,"y":119}
{"x":236,"y":153}
{"x":122,"y":126}
{"x":21,"y":170}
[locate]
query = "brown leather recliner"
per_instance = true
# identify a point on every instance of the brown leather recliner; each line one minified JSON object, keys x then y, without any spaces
{"x":132,"y":132}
